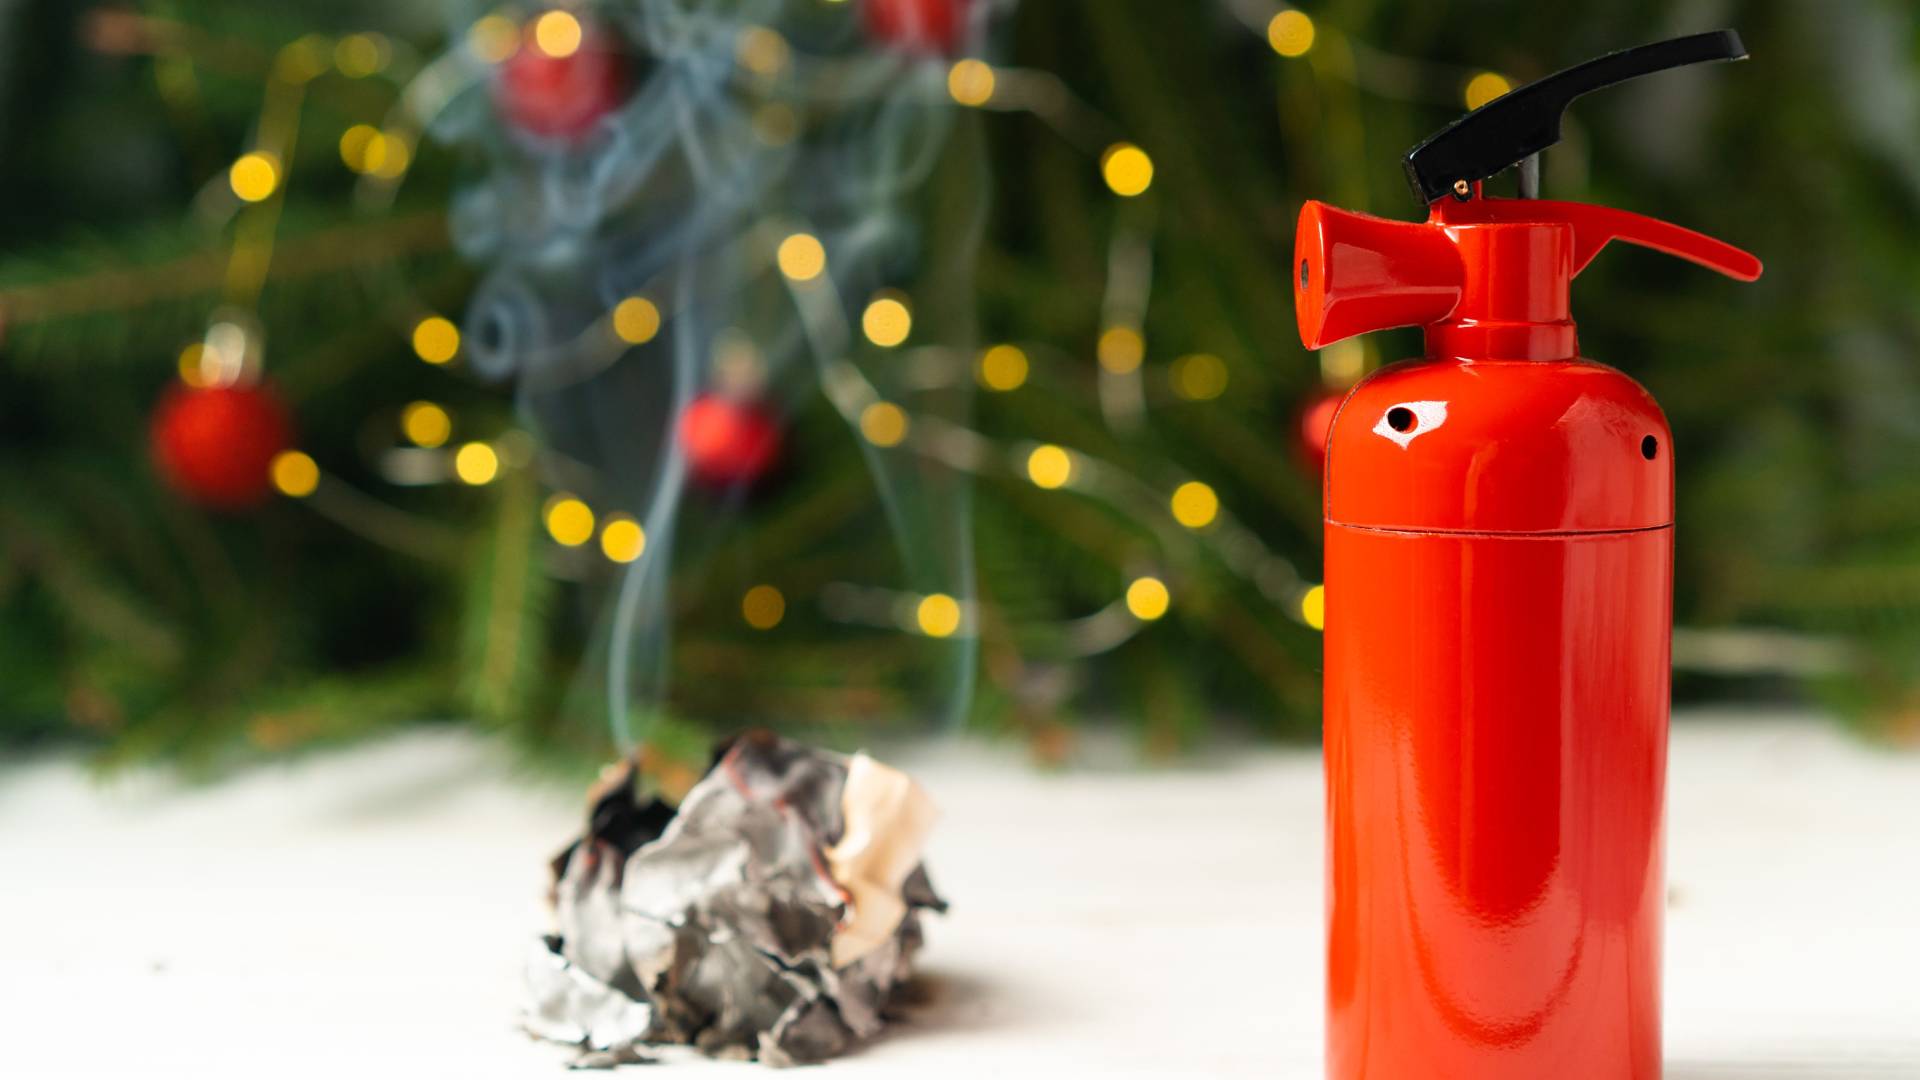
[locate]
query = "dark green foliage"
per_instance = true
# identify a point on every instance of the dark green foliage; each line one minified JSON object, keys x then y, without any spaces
{"x":152,"y":629}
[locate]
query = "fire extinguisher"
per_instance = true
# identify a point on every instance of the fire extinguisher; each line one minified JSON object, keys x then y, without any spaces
{"x":1499,"y":560}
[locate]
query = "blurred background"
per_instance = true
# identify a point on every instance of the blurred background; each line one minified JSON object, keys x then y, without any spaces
{"x":630,"y":372}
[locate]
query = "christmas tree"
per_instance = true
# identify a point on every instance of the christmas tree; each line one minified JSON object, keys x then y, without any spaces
{"x":641,"y":369}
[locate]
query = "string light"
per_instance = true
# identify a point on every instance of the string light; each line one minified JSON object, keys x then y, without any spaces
{"x":1343,"y":362}
{"x":1003,"y":368}
{"x":558,"y":34}
{"x":1291,"y":33}
{"x":436,"y":340}
{"x":761,"y":50}
{"x":1147,"y":598}
{"x":494,"y":38}
{"x":1313,"y":607}
{"x":371,"y":152}
{"x":622,"y":540}
{"x":301,"y":61}
{"x":1195,"y":505}
{"x":426,"y":424}
{"x":763,"y":607}
{"x":884,"y":424}
{"x":388,"y":156}
{"x":1049,"y":467}
{"x":476,"y":464}
{"x":569,"y":521}
{"x":192,"y":372}
{"x":1199,"y":377}
{"x":887,"y":320}
{"x":1127,"y":169}
{"x":294,"y":474}
{"x":360,"y":55}
{"x":1484,"y":87}
{"x":354,"y":143}
{"x":970,"y":82}
{"x":801,"y":257}
{"x":636,"y":320}
{"x":1121,"y":349}
{"x":938,"y":615}
{"x":254,"y":176}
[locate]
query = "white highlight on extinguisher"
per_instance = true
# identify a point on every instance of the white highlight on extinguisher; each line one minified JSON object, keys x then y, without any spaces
{"x":1424,"y":417}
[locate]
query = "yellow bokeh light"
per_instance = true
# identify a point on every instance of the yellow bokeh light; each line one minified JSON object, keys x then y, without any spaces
{"x":761,"y":50}
{"x":436,"y":340}
{"x":254,"y":176}
{"x":1121,"y":349}
{"x":1291,"y":33}
{"x":887,"y":321}
{"x":569,"y":521}
{"x":367,"y":150}
{"x":494,"y":38}
{"x":763,"y":607}
{"x":476,"y":464}
{"x":355,"y":143}
{"x":191,"y":371}
{"x":1195,"y":505}
{"x":636,"y":320}
{"x":1127,"y":169}
{"x":557,"y":33}
{"x":801,"y":257}
{"x":1003,"y":368}
{"x":1049,"y":467}
{"x":1313,"y":607}
{"x":1148,"y":599}
{"x":622,"y":540}
{"x":1484,"y":87}
{"x":426,"y":424}
{"x":302,"y":61}
{"x":970,"y":82}
{"x":938,"y":615}
{"x":1343,"y":362}
{"x":1199,"y":377}
{"x":294,"y":474}
{"x":360,"y":55}
{"x":387,"y":156}
{"x":884,"y":424}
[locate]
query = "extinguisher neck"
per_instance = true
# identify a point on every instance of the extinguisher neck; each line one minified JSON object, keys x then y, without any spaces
{"x":1515,"y":283}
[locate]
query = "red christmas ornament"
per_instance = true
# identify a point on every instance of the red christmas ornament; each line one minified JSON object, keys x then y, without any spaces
{"x":216,"y":444}
{"x":727,"y":441}
{"x":562,"y":80}
{"x":1315,"y":424}
{"x":920,"y":26}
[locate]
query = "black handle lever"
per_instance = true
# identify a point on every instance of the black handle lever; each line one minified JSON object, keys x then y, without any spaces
{"x":1519,"y":124}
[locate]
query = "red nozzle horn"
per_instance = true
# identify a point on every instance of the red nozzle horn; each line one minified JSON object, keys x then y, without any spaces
{"x":1355,"y":273}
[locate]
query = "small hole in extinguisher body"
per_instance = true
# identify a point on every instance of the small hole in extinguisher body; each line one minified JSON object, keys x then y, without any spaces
{"x":1400,"y":418}
{"x":1303,"y":275}
{"x":1649,"y":448}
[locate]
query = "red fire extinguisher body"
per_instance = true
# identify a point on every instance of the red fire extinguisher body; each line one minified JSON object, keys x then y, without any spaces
{"x":1499,"y":563}
{"x":1499,"y":568}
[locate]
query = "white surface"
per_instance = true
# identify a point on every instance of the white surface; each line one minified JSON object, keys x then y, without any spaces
{"x":363,"y":913}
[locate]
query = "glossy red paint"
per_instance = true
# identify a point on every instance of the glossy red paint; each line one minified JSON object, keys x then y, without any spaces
{"x":1499,"y":573}
{"x":1488,"y":278}
{"x":1496,"y":724}
{"x":1500,"y":446}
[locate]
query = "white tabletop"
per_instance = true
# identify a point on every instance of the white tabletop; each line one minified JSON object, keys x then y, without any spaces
{"x":363,"y":912}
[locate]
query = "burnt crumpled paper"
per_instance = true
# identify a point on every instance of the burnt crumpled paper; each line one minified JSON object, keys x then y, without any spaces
{"x":774,"y":916}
